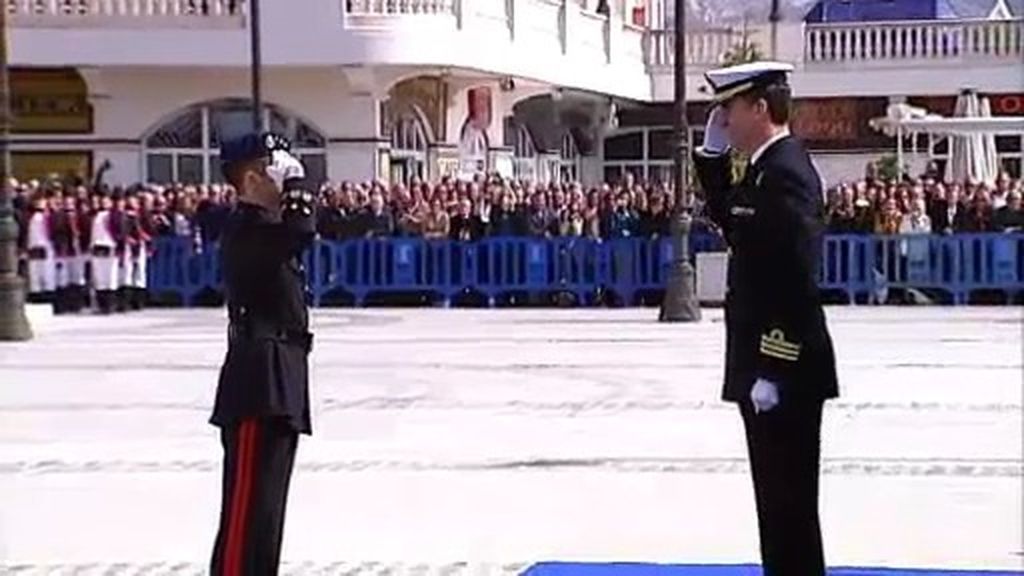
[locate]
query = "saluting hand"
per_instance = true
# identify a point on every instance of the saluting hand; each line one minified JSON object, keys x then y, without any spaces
{"x":716,"y":138}
{"x":283,"y":167}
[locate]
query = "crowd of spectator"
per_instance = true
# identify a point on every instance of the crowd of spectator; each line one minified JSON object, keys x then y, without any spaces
{"x":470,"y":210}
{"x":925,"y":205}
{"x":448,"y":209}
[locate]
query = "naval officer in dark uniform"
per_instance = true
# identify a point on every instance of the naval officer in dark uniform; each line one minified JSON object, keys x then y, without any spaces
{"x":262,"y":400}
{"x":780,"y":365}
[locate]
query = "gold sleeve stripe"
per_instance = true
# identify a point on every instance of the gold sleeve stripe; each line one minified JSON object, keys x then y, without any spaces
{"x":774,"y":344}
{"x":781,"y":354}
{"x":784,"y":346}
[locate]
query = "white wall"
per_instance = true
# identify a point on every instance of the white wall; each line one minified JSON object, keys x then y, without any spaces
{"x":352,"y":161}
{"x":131,"y":102}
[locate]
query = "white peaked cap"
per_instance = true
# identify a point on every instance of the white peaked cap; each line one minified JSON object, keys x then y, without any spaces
{"x":734,"y":80}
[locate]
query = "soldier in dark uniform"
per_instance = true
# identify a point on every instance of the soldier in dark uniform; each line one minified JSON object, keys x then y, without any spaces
{"x":262,"y":402}
{"x":780,"y":366}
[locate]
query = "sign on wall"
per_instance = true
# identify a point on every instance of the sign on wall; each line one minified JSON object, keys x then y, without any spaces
{"x":50,"y":102}
{"x":40,"y":165}
{"x":1002,"y":104}
{"x":839,"y":123}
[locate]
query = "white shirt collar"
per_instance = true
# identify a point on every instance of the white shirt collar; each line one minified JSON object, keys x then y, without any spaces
{"x":761,"y":150}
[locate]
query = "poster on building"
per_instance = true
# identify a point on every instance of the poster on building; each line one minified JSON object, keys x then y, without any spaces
{"x":480,"y":108}
{"x":447,"y":166}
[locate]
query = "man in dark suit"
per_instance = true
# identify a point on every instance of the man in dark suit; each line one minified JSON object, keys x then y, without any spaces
{"x":262,"y":402}
{"x":780,"y":366}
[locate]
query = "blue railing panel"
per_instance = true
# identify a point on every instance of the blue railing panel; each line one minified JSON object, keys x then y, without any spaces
{"x":957,"y":264}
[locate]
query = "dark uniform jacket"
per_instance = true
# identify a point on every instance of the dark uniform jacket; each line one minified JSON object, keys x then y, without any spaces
{"x":265,"y":373}
{"x":773,"y":222}
{"x":65,"y":233}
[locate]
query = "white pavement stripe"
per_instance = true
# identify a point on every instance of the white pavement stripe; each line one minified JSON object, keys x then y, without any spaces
{"x":329,"y":405}
{"x":287,"y":569}
{"x":966,"y":468}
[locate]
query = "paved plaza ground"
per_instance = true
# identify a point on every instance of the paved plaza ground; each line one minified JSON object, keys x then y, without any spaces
{"x":483,"y":441}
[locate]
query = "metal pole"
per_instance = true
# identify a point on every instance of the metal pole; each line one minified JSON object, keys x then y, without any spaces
{"x":774,"y":18}
{"x":256,"y":65}
{"x":680,"y":303}
{"x":13,"y":322}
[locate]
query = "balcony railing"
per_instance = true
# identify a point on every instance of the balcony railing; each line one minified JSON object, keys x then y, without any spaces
{"x":704,"y":47}
{"x":127,"y":13}
{"x":942,"y":41}
{"x":400,"y":7}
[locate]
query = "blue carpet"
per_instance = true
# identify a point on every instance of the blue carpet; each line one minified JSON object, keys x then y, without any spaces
{"x":638,"y":569}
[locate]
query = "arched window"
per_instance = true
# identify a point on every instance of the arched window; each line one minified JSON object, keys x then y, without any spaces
{"x":408,"y":136}
{"x":524,"y":161}
{"x":569,"y":159}
{"x":186,"y":148}
{"x":472,"y":150}
{"x":408,"y":148}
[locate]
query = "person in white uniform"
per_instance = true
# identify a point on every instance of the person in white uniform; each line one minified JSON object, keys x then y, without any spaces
{"x":104,"y":256}
{"x":42,"y":273}
{"x":136,"y":254}
{"x":120,"y":225}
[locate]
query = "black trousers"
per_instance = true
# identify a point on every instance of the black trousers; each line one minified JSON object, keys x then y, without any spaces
{"x":784,"y":446}
{"x":258,"y":458}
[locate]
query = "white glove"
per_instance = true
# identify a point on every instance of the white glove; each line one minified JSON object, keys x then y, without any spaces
{"x":764,"y":395}
{"x":283,"y":166}
{"x":716,"y":139}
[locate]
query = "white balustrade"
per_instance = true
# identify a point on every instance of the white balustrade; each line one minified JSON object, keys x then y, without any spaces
{"x":400,"y":7}
{"x":132,"y":13}
{"x":704,"y":47}
{"x":951,"y":41}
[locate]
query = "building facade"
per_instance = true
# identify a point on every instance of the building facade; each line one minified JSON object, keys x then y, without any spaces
{"x":400,"y":89}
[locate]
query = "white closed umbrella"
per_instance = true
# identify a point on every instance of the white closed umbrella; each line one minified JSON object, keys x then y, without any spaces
{"x":988,"y":148}
{"x":956,"y":168}
{"x":972,"y":156}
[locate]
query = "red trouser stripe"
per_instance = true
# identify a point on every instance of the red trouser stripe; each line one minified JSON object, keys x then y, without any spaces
{"x":240,"y":497}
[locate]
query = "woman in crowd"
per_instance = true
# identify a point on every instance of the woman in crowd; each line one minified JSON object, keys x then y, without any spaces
{"x":436,"y":224}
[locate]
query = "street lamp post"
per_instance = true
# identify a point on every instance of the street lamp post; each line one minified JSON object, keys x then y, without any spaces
{"x":773,"y":17}
{"x":256,"y":64}
{"x":680,"y":303}
{"x":13,"y":322}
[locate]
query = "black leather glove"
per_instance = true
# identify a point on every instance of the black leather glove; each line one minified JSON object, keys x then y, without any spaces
{"x":298,"y":206}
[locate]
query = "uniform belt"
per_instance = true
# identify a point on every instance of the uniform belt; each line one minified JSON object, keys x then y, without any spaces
{"x":247,"y":331}
{"x":37,"y":253}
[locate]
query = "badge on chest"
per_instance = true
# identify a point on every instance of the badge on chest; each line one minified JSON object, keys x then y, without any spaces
{"x":742,"y":211}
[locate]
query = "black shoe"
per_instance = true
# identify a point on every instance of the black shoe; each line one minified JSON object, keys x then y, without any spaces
{"x":60,"y":301}
{"x":121,"y":300}
{"x":139,"y":297}
{"x":104,"y":301}
{"x":77,"y":297}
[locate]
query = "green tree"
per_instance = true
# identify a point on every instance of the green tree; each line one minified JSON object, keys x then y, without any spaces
{"x":743,"y":52}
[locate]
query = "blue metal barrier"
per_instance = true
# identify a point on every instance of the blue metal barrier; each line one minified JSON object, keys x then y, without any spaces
{"x":857,"y":266}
